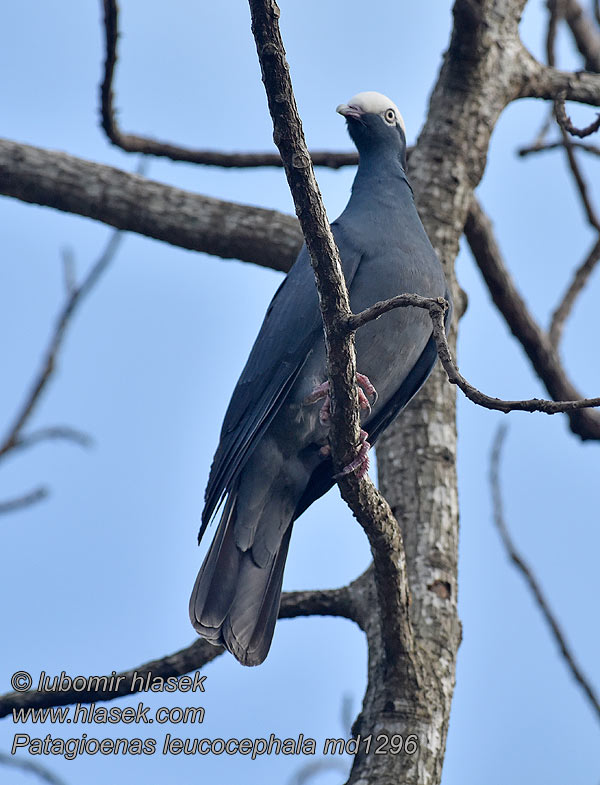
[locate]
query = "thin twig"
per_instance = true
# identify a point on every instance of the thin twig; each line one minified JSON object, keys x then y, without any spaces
{"x":437,"y":307}
{"x":574,"y":15}
{"x":327,"y":602}
{"x":31,"y":767}
{"x":567,"y":125}
{"x":542,"y":147}
{"x":535,"y":341}
{"x":555,"y":8}
{"x":527,"y":573}
{"x":132,"y":143}
{"x":581,"y":277}
{"x":581,"y":184}
{"x":61,"y":432}
{"x":26,"y":500}
{"x":585,"y":33}
{"x":48,"y":365}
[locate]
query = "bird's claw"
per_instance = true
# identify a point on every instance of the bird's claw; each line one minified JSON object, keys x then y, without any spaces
{"x":322,"y":391}
{"x":360,"y":465}
{"x":365,"y":382}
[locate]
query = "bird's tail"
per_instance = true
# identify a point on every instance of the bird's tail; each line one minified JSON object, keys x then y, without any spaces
{"x":235,"y":602}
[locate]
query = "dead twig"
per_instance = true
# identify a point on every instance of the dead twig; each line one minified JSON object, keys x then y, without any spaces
{"x":564,"y":308}
{"x":585,"y":33}
{"x":26,"y":500}
{"x":327,"y":602}
{"x":543,"y":147}
{"x":133,"y":143}
{"x":14,"y":437}
{"x":565,"y":121}
{"x":528,"y":575}
{"x":534,"y":340}
{"x":437,"y":308}
{"x":31,"y":767}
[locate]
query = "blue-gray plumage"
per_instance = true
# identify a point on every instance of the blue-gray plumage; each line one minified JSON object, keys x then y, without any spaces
{"x":270,"y":464}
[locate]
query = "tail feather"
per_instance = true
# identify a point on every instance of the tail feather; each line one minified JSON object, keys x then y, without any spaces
{"x":235,"y":602}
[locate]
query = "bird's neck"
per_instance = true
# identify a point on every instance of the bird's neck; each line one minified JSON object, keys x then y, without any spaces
{"x":381,"y":173}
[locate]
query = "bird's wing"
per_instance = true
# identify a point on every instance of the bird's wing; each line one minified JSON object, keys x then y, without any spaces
{"x":291,"y":327}
{"x":411,"y":385}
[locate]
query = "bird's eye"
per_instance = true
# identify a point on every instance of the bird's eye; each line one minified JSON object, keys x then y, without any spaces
{"x":390,"y":116}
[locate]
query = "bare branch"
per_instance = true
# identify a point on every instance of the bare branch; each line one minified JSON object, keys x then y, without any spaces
{"x":26,"y":500}
{"x":528,"y":575}
{"x":31,"y":767}
{"x":575,"y":19}
{"x":535,"y":341}
{"x":565,"y":121}
{"x":62,"y":432}
{"x":437,"y":308}
{"x":355,"y":321}
{"x":543,"y":81}
{"x":327,"y":602}
{"x":49,"y":360}
{"x":541,"y":147}
{"x":581,"y":184}
{"x":556,"y":12}
{"x":132,"y":143}
{"x":133,"y":203}
{"x":370,"y":508}
{"x":579,"y":281}
{"x":497,"y":404}
{"x":68,"y":259}
{"x":587,"y":37}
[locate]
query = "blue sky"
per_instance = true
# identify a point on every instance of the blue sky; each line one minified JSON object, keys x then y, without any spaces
{"x":97,"y":577}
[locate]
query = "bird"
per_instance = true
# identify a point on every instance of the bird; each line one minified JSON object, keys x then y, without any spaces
{"x":273,"y":461}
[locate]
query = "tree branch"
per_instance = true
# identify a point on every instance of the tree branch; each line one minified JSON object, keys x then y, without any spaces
{"x":329,"y":602}
{"x":436,"y":309}
{"x":64,"y":432}
{"x":369,"y":507}
{"x":583,"y":273}
{"x":538,"y":347}
{"x":566,"y":124}
{"x":585,"y":34}
{"x":543,"y":81}
{"x":26,"y":500}
{"x":31,"y":767}
{"x":581,"y":277}
{"x":528,"y":575}
{"x":133,"y":203}
{"x":542,"y":147}
{"x":132,"y":143}
{"x":14,"y":438}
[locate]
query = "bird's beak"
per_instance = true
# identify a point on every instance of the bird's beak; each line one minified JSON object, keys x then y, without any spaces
{"x":350,"y":111}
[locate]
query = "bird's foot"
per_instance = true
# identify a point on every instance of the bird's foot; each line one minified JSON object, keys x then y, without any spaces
{"x":360,"y":465}
{"x":321,"y":391}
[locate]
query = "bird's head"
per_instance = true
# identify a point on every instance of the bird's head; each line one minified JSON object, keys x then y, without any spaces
{"x":374,"y":123}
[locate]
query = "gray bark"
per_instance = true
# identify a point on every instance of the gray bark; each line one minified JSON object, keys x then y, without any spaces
{"x":131,"y":202}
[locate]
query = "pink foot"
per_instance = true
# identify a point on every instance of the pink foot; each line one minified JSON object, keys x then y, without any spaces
{"x":322,"y":392}
{"x":360,"y":464}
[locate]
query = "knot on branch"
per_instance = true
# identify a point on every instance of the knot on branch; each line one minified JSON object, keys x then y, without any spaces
{"x":269,"y":49}
{"x":300,"y":161}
